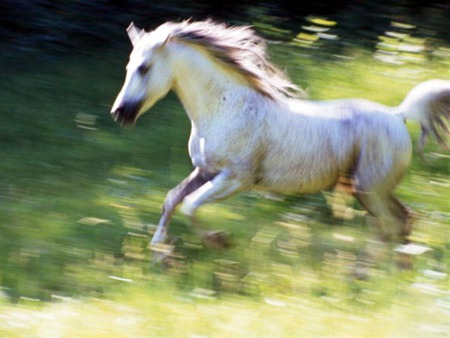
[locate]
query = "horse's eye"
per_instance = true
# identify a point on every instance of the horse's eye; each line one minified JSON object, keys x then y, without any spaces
{"x":143,"y":69}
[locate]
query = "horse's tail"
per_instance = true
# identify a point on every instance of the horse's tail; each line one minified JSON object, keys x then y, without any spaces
{"x":429,"y":104}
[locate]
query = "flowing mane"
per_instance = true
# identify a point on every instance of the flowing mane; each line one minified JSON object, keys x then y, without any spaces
{"x":239,"y":48}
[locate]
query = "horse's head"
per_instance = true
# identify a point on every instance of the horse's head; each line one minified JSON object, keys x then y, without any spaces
{"x":148,"y":77}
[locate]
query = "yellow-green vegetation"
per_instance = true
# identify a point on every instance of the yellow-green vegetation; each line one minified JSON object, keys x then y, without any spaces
{"x":388,"y":307}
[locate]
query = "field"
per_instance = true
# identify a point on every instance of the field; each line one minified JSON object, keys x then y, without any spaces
{"x":81,"y":196}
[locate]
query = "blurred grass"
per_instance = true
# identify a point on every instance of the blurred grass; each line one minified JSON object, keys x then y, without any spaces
{"x":157,"y":309}
{"x":80,"y":197}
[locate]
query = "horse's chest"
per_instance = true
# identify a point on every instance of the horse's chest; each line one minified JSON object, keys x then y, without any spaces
{"x":218,"y":148}
{"x":206,"y":154}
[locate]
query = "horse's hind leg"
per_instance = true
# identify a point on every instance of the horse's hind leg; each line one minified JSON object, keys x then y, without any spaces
{"x":405,"y":217}
{"x":393,"y":221}
{"x":389,"y":215}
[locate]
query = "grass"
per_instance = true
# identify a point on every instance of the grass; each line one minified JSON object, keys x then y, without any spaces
{"x":81,"y":196}
{"x":147,"y":311}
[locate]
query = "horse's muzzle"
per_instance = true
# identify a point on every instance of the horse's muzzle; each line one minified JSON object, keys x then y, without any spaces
{"x":125,"y":114}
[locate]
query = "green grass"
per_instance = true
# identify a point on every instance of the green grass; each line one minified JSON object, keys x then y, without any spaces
{"x":80,"y":196}
{"x":156,"y":309}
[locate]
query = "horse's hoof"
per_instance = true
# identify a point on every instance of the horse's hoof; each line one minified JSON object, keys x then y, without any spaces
{"x":160,"y":252}
{"x":217,"y":240}
{"x":361,"y":273}
{"x":158,"y":259}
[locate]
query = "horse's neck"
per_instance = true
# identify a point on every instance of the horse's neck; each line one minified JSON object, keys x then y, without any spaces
{"x":205,"y":89}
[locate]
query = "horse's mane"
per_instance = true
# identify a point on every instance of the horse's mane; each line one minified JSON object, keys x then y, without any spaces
{"x":239,"y":48}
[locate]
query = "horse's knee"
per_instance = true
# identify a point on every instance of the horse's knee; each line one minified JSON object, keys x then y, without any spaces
{"x":188,"y":207}
{"x":171,"y":201}
{"x":404,"y":217}
{"x":389,"y":215}
{"x":395,"y":228}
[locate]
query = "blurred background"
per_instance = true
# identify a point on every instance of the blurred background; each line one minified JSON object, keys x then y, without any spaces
{"x":80,"y":196}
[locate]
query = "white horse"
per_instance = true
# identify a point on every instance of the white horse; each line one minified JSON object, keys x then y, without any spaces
{"x":249,"y":131}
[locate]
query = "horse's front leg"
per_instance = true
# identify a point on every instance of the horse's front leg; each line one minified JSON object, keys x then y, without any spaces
{"x":223,"y":185}
{"x":174,"y":197}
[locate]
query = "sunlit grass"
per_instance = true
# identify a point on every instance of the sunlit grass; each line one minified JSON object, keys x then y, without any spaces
{"x":142,"y":310}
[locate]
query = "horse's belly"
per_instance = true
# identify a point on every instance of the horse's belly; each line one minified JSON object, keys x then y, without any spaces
{"x":297,"y":181}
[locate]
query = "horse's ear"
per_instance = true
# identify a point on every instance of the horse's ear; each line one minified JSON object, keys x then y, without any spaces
{"x":134,"y":33}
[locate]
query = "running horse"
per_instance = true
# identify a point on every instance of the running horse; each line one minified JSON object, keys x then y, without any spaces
{"x":252,"y":130}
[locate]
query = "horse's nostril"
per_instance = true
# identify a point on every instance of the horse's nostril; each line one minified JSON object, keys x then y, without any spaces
{"x":117,"y":113}
{"x":125,"y":112}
